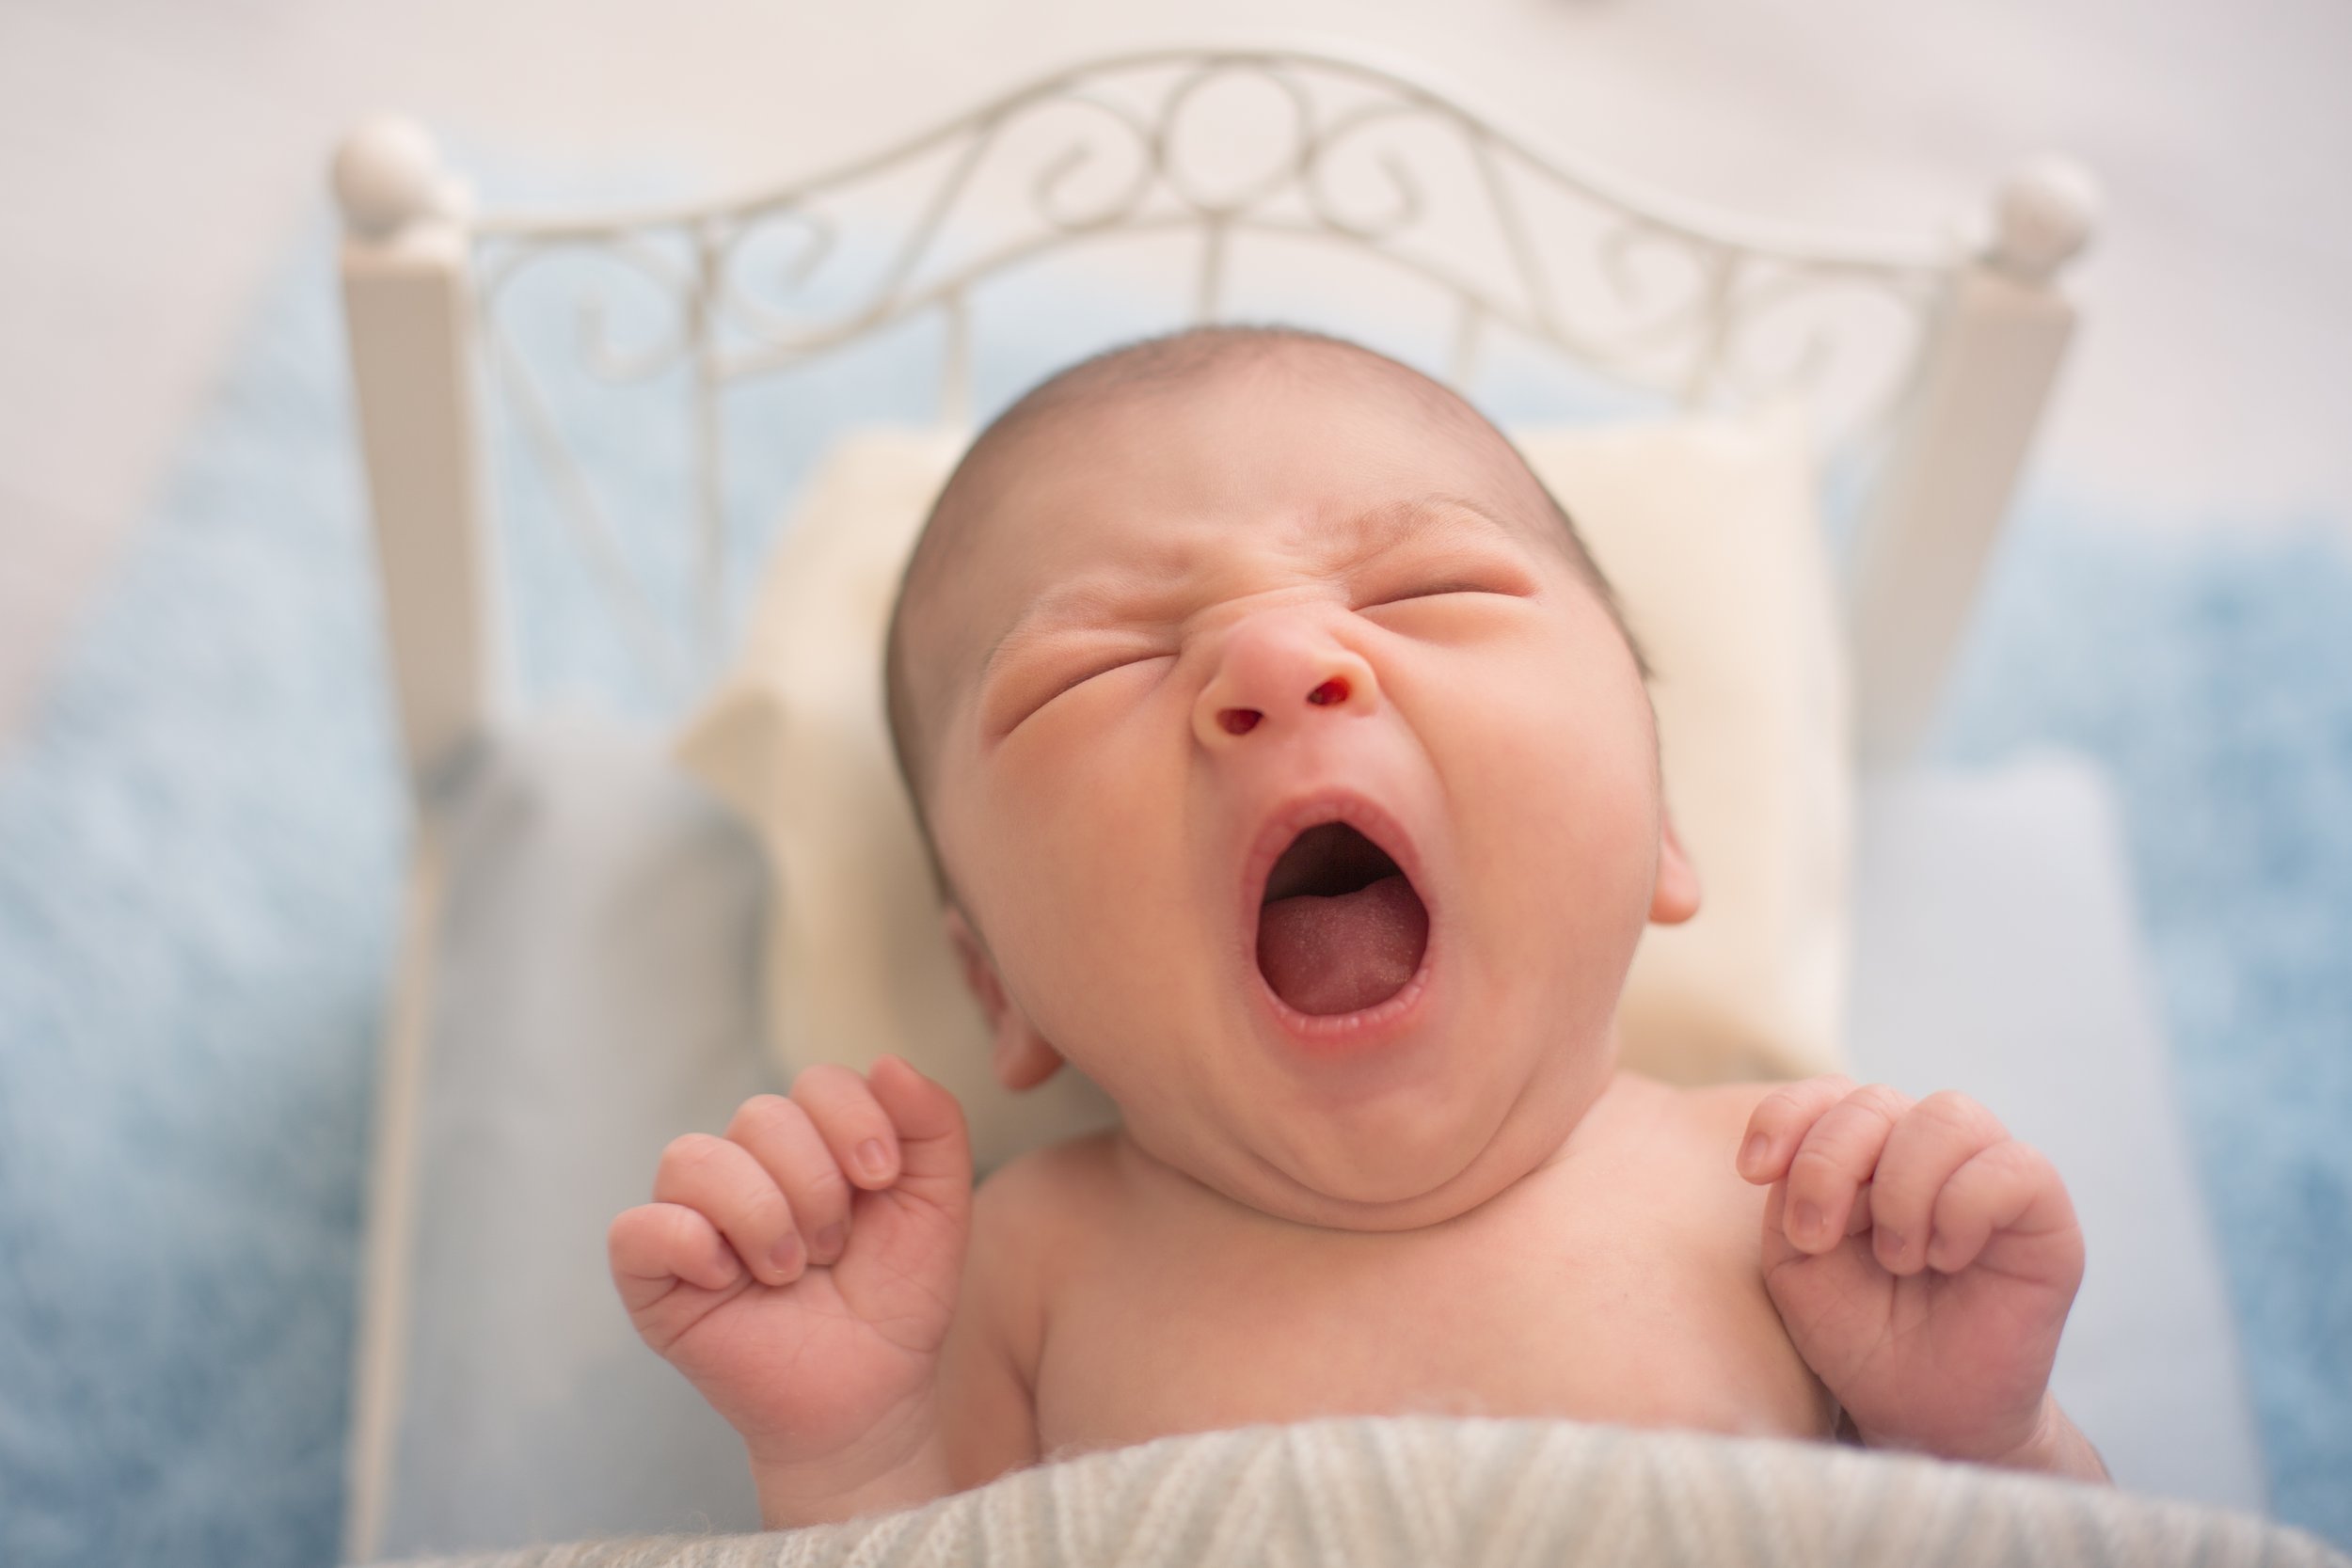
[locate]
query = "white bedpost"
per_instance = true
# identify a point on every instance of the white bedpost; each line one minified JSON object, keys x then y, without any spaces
{"x":407,"y":308}
{"x":1937,"y":509}
{"x":408,"y":305}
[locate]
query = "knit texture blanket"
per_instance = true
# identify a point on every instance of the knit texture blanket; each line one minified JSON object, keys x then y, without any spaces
{"x":1418,"y":1492}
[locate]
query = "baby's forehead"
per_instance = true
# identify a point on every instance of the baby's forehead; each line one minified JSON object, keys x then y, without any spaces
{"x":1105,"y":448}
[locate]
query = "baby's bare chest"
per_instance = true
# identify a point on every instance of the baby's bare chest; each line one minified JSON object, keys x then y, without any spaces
{"x":1629,"y":1313}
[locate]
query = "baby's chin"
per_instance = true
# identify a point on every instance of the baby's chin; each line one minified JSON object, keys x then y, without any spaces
{"x":1387,"y":1178}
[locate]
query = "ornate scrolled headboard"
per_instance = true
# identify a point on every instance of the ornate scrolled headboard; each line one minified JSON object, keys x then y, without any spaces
{"x":1216,"y":151}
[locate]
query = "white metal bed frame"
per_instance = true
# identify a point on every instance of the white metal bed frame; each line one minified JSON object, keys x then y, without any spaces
{"x":421,"y":275}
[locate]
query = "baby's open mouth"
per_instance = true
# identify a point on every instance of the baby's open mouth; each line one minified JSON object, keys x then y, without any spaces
{"x":1340,"y":928}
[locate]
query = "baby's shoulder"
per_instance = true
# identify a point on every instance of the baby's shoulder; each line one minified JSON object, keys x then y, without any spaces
{"x":1030,"y":1218}
{"x":1707,"y":1115}
{"x":1687,"y":1141}
{"x":1038,"y":1204}
{"x":1041,"y":1173}
{"x":1721,"y":1110}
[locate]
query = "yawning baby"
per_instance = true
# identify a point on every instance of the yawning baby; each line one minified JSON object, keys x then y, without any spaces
{"x":1287,"y":768}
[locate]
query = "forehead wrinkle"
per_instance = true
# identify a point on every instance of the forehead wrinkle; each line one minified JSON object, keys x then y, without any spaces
{"x":1392,"y":524}
{"x":1362,"y":533}
{"x":979,"y":493}
{"x":1087,"y":601}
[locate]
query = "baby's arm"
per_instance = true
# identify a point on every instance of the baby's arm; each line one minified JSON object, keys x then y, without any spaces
{"x":1923,"y":1261}
{"x":803,"y":1271}
{"x":987,"y":1381}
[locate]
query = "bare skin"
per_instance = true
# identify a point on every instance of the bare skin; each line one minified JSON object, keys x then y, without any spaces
{"x":1615,"y":1281}
{"x":1451,"y":1201}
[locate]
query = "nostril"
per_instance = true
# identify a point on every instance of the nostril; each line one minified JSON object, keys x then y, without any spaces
{"x":1332,"y":690}
{"x":1238,"y":720}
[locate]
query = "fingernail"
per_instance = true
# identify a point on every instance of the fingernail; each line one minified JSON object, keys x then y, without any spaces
{"x":828,"y":1243}
{"x":1808,"y":1221}
{"x":1752,"y":1157}
{"x":873,"y":1159}
{"x":1890,"y":1245}
{"x":786,"y":1256}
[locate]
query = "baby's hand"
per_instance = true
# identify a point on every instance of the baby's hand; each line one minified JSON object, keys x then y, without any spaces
{"x":1923,"y":1261}
{"x":803,"y":1272}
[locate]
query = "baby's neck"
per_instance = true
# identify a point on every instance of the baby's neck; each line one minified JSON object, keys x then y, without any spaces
{"x":1267,"y":1196}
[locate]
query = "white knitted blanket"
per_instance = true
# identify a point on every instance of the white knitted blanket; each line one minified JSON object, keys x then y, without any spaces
{"x":1414,"y":1490}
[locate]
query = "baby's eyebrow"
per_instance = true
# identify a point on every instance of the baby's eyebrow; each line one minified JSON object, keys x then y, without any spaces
{"x":1384,"y":528}
{"x":1085,"y":602}
{"x":1355,"y":538}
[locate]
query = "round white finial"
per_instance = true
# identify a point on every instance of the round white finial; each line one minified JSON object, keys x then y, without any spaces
{"x":2044,"y":217}
{"x":388,"y":175}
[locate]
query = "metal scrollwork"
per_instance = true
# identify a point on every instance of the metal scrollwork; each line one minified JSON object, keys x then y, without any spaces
{"x":1142,"y":107}
{"x":1651,"y":296}
{"x":1325,"y":150}
{"x":1185,"y":183}
{"x":672,"y":284}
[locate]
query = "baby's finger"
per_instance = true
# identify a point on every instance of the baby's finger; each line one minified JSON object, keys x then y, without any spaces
{"x":855,"y":1126}
{"x":654,"y":1246}
{"x":934,"y":1143}
{"x":1776,"y":1244}
{"x":1859,"y":1216}
{"x":738,"y":1196}
{"x":786,"y":1141}
{"x":1837,"y":1156}
{"x":2009,"y":1189}
{"x":1934,"y":1140}
{"x":1779,"y":1123}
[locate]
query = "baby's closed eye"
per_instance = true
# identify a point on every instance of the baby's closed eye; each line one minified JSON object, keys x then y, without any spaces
{"x":1380,"y":583}
{"x":1026,"y":691}
{"x":1444,"y":610}
{"x":1437,"y":589}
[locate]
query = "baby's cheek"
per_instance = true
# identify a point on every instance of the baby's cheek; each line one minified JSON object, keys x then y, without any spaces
{"x":1557,"y":817}
{"x":1092,"y":888}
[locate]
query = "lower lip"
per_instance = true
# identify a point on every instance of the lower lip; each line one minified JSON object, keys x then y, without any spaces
{"x":1351,"y":1033}
{"x":1339,"y":1034}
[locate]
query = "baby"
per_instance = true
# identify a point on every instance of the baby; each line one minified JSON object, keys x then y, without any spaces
{"x":1288,"y":770}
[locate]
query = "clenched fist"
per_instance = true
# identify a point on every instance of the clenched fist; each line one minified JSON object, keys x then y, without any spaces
{"x":803,"y":1271}
{"x":1923,"y":1261}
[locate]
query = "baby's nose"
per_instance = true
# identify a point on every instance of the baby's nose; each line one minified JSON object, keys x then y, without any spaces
{"x":1275,"y":673}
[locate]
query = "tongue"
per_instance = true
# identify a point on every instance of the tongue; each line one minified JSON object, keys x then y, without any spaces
{"x":1343,"y":954}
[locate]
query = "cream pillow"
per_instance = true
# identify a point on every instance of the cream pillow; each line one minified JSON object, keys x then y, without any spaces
{"x":1708,"y":528}
{"x":1710,"y":532}
{"x":795,"y":739}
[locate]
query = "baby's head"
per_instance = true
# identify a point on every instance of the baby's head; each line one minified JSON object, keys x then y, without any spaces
{"x":1287,"y":768}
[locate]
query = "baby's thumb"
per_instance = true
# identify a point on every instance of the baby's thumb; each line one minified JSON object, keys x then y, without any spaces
{"x":934,"y":1148}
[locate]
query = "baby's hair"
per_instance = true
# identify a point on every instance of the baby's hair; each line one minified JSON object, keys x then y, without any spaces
{"x":1164,"y":361}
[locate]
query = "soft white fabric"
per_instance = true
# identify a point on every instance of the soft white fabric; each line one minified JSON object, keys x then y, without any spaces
{"x":1424,"y":1492}
{"x":1708,"y":526}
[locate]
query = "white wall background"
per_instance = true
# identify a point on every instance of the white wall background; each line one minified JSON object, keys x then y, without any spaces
{"x":156,"y":155}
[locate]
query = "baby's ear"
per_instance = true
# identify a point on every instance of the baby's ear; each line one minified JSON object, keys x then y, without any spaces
{"x":1677,"y":897}
{"x":1020,"y":1054}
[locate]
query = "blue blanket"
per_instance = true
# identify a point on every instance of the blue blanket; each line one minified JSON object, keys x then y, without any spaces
{"x":202,"y":836}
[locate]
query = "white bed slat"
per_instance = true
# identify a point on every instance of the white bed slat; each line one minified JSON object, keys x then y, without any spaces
{"x":1930,"y":522}
{"x":409,"y":309}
